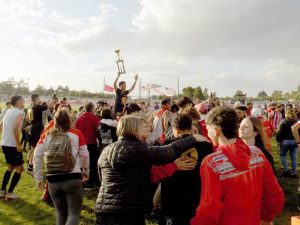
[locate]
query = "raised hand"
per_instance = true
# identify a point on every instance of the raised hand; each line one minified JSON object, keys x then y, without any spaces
{"x":136,"y":77}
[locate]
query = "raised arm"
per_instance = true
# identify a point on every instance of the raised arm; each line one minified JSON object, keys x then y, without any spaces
{"x":136,"y":77}
{"x":1,"y":125}
{"x":116,"y":81}
{"x":295,"y":130}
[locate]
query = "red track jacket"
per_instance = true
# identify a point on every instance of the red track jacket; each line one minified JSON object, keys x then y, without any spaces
{"x":238,"y":188}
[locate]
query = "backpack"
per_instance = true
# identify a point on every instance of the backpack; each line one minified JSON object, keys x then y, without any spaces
{"x":58,"y":154}
{"x":106,"y":137}
{"x":169,"y":131}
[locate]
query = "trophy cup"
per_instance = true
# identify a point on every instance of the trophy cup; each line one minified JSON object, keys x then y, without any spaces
{"x":120,"y":62}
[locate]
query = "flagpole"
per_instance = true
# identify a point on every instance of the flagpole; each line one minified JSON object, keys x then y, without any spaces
{"x":140,"y":89}
{"x":103,"y":85}
{"x":178,"y":87}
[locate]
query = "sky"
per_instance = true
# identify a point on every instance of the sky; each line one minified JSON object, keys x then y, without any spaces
{"x":222,"y":45}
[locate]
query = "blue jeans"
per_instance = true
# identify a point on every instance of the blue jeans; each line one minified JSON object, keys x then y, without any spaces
{"x":285,"y":146}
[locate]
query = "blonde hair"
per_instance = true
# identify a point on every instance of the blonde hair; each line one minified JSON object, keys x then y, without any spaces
{"x":290,"y":114}
{"x":261,"y":139}
{"x":129,"y":126}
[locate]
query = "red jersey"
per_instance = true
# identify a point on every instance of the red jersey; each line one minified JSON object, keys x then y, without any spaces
{"x":88,"y":124}
{"x":204,"y":131}
{"x":238,"y":187}
{"x":275,"y":118}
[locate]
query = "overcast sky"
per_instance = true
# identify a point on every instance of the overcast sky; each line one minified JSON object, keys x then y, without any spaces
{"x":223,"y":45}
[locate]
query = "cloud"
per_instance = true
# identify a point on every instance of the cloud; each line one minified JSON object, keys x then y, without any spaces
{"x":223,"y":45}
{"x":32,"y":8}
{"x":107,"y":8}
{"x":218,"y":29}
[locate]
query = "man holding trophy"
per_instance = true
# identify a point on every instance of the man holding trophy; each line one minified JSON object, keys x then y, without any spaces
{"x":121,"y":92}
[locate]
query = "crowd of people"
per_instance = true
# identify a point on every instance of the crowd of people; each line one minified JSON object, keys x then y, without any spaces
{"x":179,"y":162}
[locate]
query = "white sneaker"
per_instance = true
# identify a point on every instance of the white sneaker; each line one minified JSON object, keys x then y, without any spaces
{"x":11,"y":196}
{"x":2,"y":194}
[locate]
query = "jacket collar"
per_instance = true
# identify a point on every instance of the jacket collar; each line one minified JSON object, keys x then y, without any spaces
{"x":128,"y":138}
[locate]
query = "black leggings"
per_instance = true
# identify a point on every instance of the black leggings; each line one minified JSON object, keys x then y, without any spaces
{"x":94,"y":156}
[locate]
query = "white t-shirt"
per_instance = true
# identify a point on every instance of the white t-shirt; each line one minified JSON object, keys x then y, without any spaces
{"x":9,"y":122}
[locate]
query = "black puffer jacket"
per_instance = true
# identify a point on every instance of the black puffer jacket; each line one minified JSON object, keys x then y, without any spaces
{"x":125,"y":171}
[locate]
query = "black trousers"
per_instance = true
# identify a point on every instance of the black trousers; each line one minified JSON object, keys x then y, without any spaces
{"x":94,"y":156}
{"x":117,"y":219}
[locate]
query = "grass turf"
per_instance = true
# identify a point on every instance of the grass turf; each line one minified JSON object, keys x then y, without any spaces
{"x":29,"y":210}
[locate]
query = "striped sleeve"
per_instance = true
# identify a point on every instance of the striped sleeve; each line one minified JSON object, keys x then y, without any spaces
{"x":38,"y":159}
{"x":83,"y":153}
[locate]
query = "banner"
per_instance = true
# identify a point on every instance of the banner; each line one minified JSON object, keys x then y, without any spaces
{"x":108,"y":88}
{"x":150,"y":87}
{"x":170,"y":92}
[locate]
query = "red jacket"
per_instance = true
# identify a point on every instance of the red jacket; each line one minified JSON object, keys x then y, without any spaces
{"x":159,"y":173}
{"x":238,"y":188}
{"x":204,"y":131}
{"x":88,"y":124}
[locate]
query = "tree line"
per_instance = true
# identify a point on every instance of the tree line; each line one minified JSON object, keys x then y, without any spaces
{"x":275,"y":96}
{"x":12,"y":86}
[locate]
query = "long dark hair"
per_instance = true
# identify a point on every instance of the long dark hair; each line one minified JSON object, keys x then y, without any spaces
{"x":62,"y":120}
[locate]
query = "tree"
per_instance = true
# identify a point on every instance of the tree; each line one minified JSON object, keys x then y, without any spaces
{"x":205,"y":93}
{"x":297,"y":96}
{"x":239,"y":95}
{"x":188,"y":91}
{"x":40,"y":89}
{"x":8,"y":87}
{"x":277,"y":95}
{"x":262,"y":95}
{"x":197,"y":93}
{"x":22,"y":87}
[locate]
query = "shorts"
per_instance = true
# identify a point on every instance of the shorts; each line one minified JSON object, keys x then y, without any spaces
{"x":34,"y":135}
{"x":12,"y":156}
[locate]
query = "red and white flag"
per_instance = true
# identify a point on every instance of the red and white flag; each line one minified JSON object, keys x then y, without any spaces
{"x":108,"y":88}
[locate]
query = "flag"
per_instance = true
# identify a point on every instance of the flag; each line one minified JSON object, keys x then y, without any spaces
{"x":170,"y":91}
{"x":166,"y":91}
{"x":150,"y":87}
{"x":108,"y":88}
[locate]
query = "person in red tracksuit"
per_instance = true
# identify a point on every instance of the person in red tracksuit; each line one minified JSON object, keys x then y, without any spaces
{"x":238,"y":184}
{"x":88,"y":124}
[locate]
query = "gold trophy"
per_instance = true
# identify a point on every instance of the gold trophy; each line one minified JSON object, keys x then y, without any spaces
{"x":120,"y":62}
